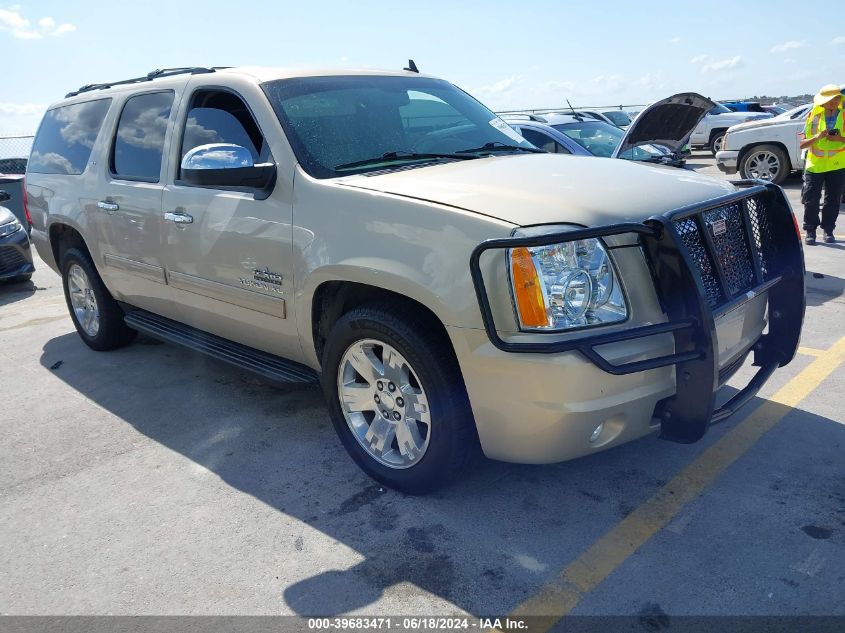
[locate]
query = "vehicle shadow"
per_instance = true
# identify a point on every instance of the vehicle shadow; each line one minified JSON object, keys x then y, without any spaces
{"x":822,"y":287}
{"x":482,"y":544}
{"x":16,"y":291}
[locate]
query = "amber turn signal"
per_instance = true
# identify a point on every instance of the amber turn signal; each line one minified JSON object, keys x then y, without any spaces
{"x":527,"y":290}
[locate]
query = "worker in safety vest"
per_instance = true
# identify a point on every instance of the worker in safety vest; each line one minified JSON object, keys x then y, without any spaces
{"x":825,"y":165}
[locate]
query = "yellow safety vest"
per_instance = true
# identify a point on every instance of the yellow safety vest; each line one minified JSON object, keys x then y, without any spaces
{"x":825,"y":155}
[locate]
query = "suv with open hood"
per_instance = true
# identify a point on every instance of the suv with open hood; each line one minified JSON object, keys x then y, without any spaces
{"x":449,"y":284}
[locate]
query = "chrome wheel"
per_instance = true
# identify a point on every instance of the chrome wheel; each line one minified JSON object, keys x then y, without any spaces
{"x":764,"y":165}
{"x":83,"y":301}
{"x":384,"y":403}
{"x":718,"y":142}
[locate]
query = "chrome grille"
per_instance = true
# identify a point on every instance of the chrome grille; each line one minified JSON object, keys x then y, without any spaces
{"x":732,"y":253}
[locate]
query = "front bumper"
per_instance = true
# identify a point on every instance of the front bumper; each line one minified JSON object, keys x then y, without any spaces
{"x":726,"y":161}
{"x":673,"y":387}
{"x":15,"y":255}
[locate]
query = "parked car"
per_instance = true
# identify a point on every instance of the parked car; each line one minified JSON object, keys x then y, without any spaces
{"x":11,"y":181}
{"x":768,"y":150}
{"x":775,"y":110}
{"x":15,"y":252}
{"x":619,"y":118}
{"x":582,"y":135}
{"x":744,"y":106}
{"x":711,"y":130}
{"x":447,"y":282}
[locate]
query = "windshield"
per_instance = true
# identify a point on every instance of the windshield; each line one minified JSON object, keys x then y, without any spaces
{"x":600,"y":139}
{"x":719,"y":109}
{"x":617,"y":117}
{"x":335,"y":122}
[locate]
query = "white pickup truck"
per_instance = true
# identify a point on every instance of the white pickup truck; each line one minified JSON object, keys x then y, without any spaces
{"x":711,"y":129}
{"x":768,"y":150}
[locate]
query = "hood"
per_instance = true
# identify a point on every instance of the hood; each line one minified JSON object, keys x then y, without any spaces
{"x":668,"y":122}
{"x":528,"y":189}
{"x":767,"y":123}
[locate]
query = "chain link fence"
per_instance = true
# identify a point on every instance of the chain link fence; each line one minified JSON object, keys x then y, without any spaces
{"x":14,"y":152}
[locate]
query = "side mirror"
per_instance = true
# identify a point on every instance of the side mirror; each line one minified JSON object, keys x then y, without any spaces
{"x":225,"y":165}
{"x":5,"y":196}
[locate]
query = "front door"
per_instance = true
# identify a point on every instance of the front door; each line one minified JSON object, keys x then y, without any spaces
{"x":229,"y":249}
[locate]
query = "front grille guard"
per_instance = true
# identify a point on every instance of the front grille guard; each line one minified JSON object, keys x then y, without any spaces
{"x":689,"y":306}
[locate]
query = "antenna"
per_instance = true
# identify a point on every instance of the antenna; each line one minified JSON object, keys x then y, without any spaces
{"x":412,"y":67}
{"x":571,"y":108}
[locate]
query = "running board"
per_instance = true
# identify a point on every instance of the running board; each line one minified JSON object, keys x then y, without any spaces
{"x":272,"y":367}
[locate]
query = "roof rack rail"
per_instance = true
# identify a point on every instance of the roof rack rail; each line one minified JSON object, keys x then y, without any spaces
{"x":529,"y":115}
{"x":155,"y":74}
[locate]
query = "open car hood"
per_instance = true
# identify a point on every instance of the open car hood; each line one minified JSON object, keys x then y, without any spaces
{"x":668,"y":122}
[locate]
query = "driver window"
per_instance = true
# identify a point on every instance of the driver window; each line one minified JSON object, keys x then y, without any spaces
{"x":218,"y":116}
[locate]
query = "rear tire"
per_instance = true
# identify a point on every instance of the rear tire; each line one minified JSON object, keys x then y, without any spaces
{"x":767,"y":162}
{"x":397,"y":398}
{"x":96,"y":315}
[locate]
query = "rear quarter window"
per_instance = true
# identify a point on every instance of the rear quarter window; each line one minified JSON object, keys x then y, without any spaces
{"x":66,"y":137}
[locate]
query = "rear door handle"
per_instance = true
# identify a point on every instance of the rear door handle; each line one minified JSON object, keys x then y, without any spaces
{"x":109,"y":207}
{"x":179,"y":218}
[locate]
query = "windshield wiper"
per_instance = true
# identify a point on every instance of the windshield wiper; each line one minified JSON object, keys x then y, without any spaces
{"x":498,"y":146}
{"x":398,"y":156}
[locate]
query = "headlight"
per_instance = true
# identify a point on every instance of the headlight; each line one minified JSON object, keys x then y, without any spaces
{"x":565,"y":285}
{"x":9,"y":228}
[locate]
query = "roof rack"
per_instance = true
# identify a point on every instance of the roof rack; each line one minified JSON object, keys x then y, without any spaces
{"x":156,"y":74}
{"x":528,"y":115}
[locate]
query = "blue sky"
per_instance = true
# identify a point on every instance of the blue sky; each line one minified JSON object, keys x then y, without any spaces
{"x":592,"y":53}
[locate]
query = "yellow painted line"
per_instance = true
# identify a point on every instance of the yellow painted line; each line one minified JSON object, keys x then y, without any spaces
{"x":810,"y":351}
{"x":559,"y":597}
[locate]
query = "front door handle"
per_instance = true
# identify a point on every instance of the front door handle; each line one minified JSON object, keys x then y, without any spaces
{"x":109,"y":207}
{"x":179,"y":218}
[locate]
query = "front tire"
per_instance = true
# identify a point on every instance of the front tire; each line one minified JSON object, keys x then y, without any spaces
{"x":766,"y":162}
{"x":96,"y":315}
{"x":397,"y":399}
{"x":716,"y":142}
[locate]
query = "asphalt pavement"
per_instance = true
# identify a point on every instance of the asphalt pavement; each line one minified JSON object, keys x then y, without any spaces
{"x":151,"y":480}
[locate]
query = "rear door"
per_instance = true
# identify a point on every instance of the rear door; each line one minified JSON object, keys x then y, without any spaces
{"x":127,"y":218}
{"x":229,"y":249}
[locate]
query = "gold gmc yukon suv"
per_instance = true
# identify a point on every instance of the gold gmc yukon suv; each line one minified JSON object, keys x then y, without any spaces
{"x":449,"y":284}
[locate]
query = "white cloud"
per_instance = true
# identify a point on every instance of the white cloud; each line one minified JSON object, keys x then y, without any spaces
{"x":699,"y":58}
{"x":838,"y":41}
{"x":21,"y":109}
{"x":14,"y":22}
{"x":556,"y":86}
{"x":724,"y":64}
{"x":649,"y":83}
{"x":675,"y":40}
{"x":19,"y":118}
{"x":788,"y":46}
{"x":499,"y":87}
{"x":497,"y":94}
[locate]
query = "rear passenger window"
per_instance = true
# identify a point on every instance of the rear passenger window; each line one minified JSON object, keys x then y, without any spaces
{"x":139,"y":141}
{"x":66,"y":137}
{"x":222,"y":117}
